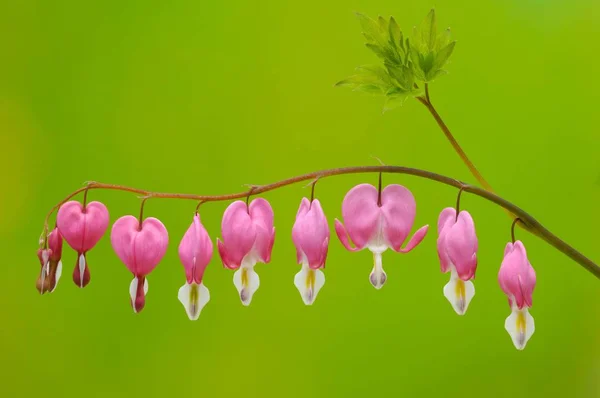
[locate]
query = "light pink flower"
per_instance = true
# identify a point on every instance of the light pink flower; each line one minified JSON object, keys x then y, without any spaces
{"x":195,"y":252}
{"x":379,"y":225}
{"x":248,"y":237}
{"x":82,"y":228}
{"x":457,"y":249}
{"x":311,"y":238}
{"x":140,"y":248}
{"x":517,"y":280}
{"x":51,"y":264}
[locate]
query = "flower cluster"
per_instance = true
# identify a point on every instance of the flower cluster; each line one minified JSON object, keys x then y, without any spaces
{"x":373,"y":218}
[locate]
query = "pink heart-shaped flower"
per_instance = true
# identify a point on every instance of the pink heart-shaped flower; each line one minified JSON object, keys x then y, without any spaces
{"x":140,"y":248}
{"x":82,"y":228}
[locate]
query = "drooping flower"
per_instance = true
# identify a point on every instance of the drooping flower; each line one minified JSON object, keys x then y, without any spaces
{"x":457,"y":249}
{"x":140,"y":246}
{"x":82,"y":227}
{"x":379,"y":222}
{"x":51,"y":264}
{"x":311,"y":238}
{"x":517,"y":280}
{"x":195,"y":252}
{"x":248,"y":237}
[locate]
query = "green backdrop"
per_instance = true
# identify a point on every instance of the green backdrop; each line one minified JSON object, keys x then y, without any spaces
{"x":203,"y":97}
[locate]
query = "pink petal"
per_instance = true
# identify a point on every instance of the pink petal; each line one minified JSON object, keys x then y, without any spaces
{"x":399,"y":209}
{"x":361,"y":215}
{"x":195,"y":251}
{"x":445,"y":221}
{"x":342,"y":235}
{"x":309,"y":233}
{"x":447,"y":218}
{"x":239,"y":234}
{"x":224,"y":256}
{"x":416,"y":239}
{"x":140,"y":249}
{"x":461,"y":246}
{"x":516,"y":276}
{"x":82,"y":229}
{"x":302,"y":210}
{"x":262,"y":216}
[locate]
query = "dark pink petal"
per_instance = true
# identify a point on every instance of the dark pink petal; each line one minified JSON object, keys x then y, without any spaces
{"x":399,"y":209}
{"x":309,"y":233}
{"x":342,"y":235}
{"x":224,"y":256}
{"x":416,"y":239}
{"x":81,"y":272}
{"x":462,"y":245}
{"x":195,"y":251}
{"x":362,"y":216}
{"x":141,"y":249}
{"x":262,"y":217}
{"x":447,"y":218}
{"x":239,"y":234}
{"x":516,"y":276}
{"x":82,"y":229}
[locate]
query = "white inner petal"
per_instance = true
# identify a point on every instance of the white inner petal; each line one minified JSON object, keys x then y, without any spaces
{"x":520,"y":326}
{"x":133,"y":290}
{"x":246,"y":282}
{"x":58,"y":274}
{"x":378,"y":277}
{"x":81,"y":266}
{"x":458,"y":292}
{"x":309,"y":282}
{"x":193,"y":297}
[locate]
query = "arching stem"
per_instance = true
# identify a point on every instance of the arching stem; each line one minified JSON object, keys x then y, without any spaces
{"x":525,"y":219}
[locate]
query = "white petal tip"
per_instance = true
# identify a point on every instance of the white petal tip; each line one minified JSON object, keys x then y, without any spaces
{"x":193,"y":297}
{"x":247,"y":283}
{"x":378,"y":278}
{"x":459,"y":293}
{"x":137,"y":304}
{"x":57,"y":275}
{"x":520,"y":326}
{"x":309,"y":282}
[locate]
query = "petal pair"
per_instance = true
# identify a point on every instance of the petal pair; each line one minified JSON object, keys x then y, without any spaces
{"x":248,"y":235}
{"x":310,"y":235}
{"x":378,"y":222}
{"x":82,"y":227}
{"x":517,"y":280}
{"x":457,"y":250}
{"x":140,"y":246}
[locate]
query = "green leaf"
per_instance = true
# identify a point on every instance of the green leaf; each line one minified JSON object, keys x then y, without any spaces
{"x":443,"y":55}
{"x":371,"y":29}
{"x":443,"y":39}
{"x":379,"y":51}
{"x":427,"y":31}
{"x":369,"y":79}
{"x":394,"y":101}
{"x":403,"y":75}
{"x":395,"y":33}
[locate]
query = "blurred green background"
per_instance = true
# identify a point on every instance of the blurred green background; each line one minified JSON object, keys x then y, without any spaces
{"x":203,"y":97}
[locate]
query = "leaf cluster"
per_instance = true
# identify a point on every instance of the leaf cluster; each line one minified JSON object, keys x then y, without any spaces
{"x":406,"y":63}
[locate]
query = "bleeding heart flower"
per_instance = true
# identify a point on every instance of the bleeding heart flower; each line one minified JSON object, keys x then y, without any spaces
{"x":379,"y":222}
{"x":457,"y":250}
{"x":311,"y":238}
{"x":517,"y":280}
{"x":82,"y":227}
{"x":195,"y":252}
{"x":248,"y":237}
{"x":51,"y":264}
{"x":140,"y":246}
